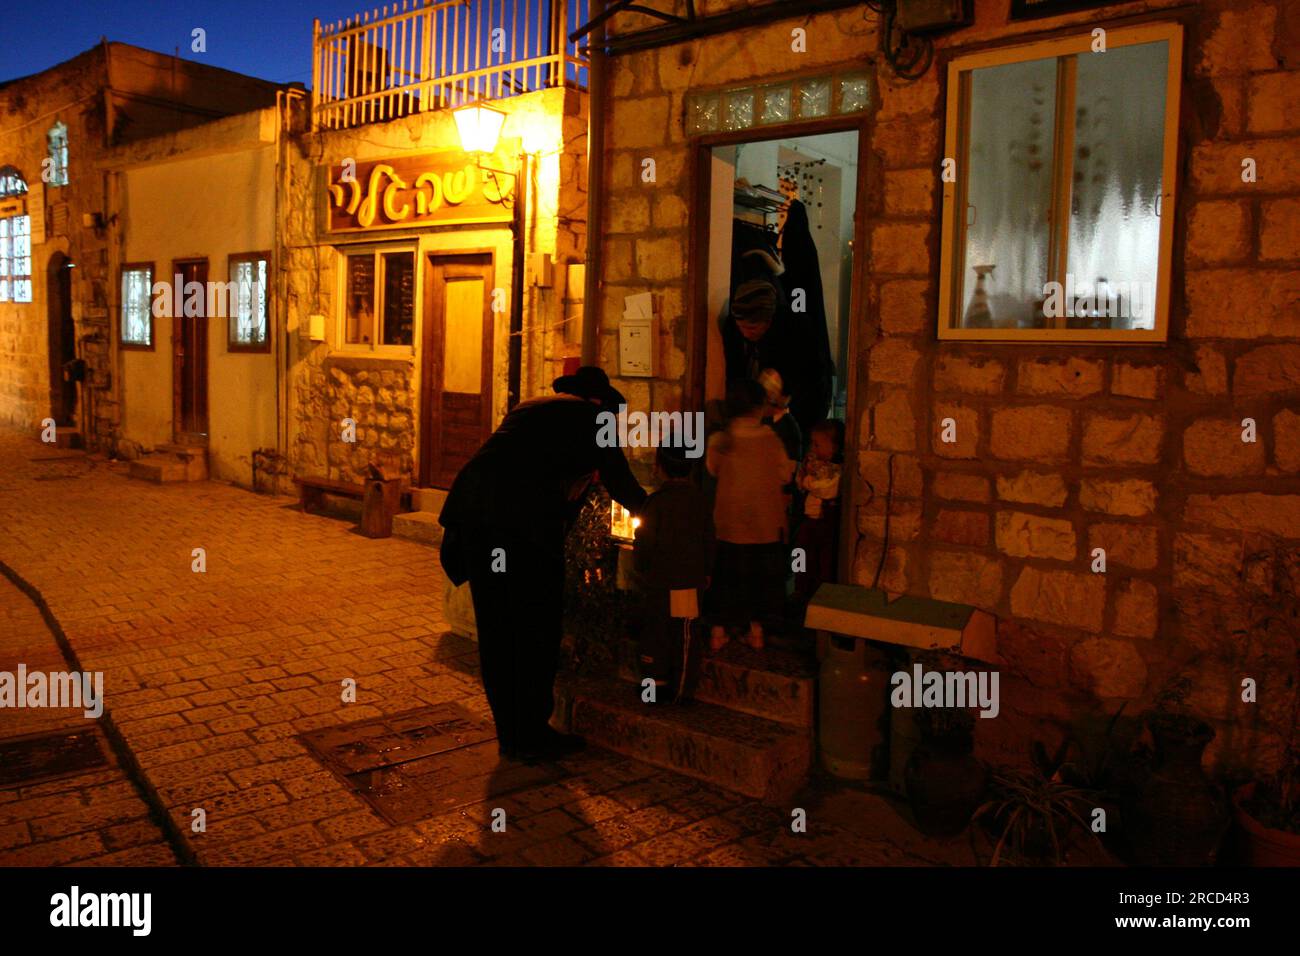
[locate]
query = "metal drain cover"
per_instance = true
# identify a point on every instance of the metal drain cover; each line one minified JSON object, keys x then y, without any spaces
{"x":40,"y":757}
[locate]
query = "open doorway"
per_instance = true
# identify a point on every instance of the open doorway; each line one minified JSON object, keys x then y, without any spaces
{"x":62,"y":341}
{"x":785,"y":204}
{"x":784,"y":208}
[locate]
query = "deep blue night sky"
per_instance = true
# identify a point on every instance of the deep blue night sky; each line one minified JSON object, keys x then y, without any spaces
{"x":270,"y":39}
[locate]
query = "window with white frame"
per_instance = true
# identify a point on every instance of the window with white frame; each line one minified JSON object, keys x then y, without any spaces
{"x":56,"y":163}
{"x":1058,"y":213}
{"x":249,"y":327}
{"x":15,"y":239}
{"x":378,"y":297}
{"x":137,"y":306}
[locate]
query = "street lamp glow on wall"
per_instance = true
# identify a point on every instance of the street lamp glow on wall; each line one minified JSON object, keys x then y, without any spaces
{"x":479,"y":127}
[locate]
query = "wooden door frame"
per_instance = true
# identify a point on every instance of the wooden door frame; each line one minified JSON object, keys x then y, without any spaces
{"x":432,"y":327}
{"x":700,"y":174}
{"x":179,"y":434}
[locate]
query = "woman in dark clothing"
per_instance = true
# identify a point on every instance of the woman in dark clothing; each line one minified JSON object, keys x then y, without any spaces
{"x":758,"y":333}
{"x":506,"y":519}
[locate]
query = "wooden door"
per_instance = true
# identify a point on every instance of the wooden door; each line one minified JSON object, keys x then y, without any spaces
{"x":190,"y":353}
{"x":456,"y":365}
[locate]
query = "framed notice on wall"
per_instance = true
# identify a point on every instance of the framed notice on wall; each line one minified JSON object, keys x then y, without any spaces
{"x":1033,"y":9}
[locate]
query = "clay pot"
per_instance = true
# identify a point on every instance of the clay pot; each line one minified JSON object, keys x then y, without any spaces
{"x":945,"y":784}
{"x":1263,"y":846}
{"x":1179,"y":816}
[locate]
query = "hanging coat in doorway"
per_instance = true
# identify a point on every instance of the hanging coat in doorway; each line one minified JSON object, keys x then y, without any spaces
{"x":803,"y":271}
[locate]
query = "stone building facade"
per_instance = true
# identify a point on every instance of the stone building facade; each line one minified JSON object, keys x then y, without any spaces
{"x":1060,"y":449}
{"x":381,"y":391}
{"x":107,"y":96}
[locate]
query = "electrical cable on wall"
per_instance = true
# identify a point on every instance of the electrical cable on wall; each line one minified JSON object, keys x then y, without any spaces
{"x":889,"y":499}
{"x":907,"y":55}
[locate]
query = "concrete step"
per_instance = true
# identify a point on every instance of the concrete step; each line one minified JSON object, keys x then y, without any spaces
{"x":775,"y":684}
{"x":164,"y":464}
{"x":419,"y":526}
{"x":759,"y":758}
{"x":428,"y":499}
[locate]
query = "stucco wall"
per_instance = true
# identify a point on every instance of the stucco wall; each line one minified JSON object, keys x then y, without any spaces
{"x":206,"y":208}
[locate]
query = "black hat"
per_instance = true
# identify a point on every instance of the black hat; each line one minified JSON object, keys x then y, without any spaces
{"x":590,"y":382}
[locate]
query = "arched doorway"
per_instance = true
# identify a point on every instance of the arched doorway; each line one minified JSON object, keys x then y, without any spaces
{"x":62,"y":339}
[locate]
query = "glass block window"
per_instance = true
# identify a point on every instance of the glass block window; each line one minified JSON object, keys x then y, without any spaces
{"x":702,"y":113}
{"x":785,"y":102}
{"x":248,"y":321}
{"x":854,"y":93}
{"x":814,"y":98}
{"x":776,"y":105}
{"x":1064,"y":161}
{"x":137,"y":306}
{"x":738,"y":109}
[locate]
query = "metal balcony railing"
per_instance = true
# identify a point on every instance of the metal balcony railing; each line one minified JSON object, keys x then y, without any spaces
{"x":425,"y":55}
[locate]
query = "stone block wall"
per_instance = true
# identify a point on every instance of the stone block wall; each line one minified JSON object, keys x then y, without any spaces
{"x":28,"y":109}
{"x":1060,"y":449}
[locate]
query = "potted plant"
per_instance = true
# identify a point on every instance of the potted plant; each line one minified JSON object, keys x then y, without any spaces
{"x":944,"y":780}
{"x":1035,"y":816}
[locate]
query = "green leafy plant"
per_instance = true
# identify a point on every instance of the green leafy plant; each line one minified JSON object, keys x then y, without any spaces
{"x":1034,"y":813}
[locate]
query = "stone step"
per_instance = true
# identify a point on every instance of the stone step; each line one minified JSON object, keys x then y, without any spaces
{"x":776,"y":684}
{"x":163,"y":466}
{"x":419,"y":526}
{"x":428,"y":499}
{"x":759,"y":758}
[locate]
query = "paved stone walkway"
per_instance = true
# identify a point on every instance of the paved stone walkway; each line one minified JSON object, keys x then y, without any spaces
{"x":95,"y":818}
{"x":211,"y":676}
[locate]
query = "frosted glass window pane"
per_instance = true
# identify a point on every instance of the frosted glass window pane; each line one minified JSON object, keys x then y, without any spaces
{"x":1119,"y":134}
{"x":462,"y":369}
{"x":1009,"y":186}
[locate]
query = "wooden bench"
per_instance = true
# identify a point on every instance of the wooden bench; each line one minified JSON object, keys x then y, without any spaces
{"x":312,"y":491}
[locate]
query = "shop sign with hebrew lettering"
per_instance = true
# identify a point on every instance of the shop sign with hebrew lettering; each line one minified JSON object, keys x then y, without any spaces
{"x":435,"y":189}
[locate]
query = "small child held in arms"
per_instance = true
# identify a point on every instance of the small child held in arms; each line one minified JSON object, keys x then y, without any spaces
{"x":749,"y":514}
{"x":672,"y":558}
{"x":819,"y":478}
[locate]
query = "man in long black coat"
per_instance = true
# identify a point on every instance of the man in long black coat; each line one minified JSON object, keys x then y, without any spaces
{"x":505,"y":522}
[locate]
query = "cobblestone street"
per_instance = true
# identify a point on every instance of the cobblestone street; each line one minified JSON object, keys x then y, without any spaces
{"x":210,"y":677}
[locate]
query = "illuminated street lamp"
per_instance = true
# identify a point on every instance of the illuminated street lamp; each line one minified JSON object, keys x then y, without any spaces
{"x":479,"y":127}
